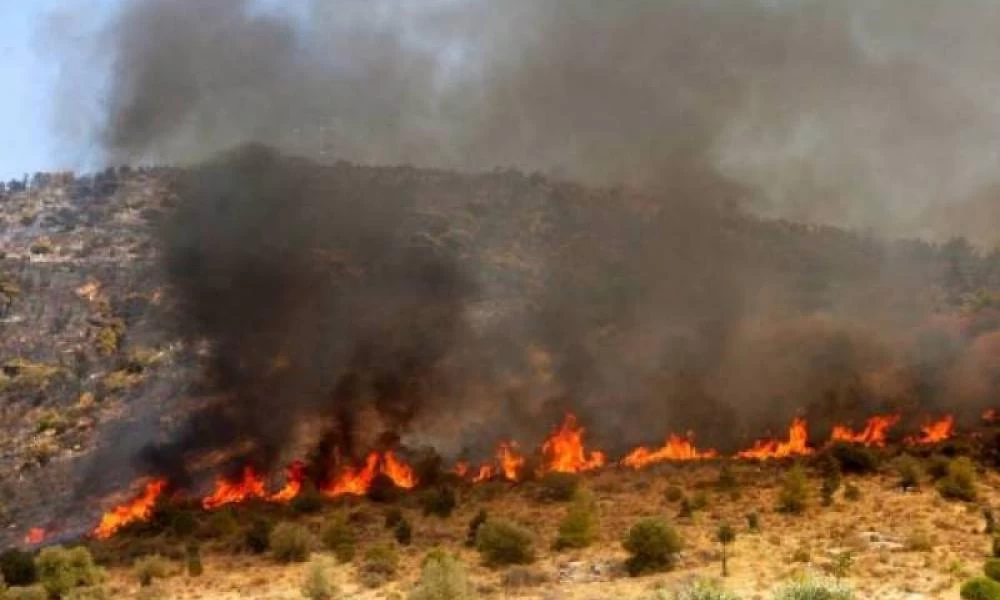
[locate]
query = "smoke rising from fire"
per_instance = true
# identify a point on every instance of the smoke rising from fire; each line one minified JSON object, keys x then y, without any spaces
{"x":328,"y":295}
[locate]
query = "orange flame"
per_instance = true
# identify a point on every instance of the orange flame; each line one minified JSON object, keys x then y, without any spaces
{"x":675,"y":448}
{"x":357,"y":480}
{"x":485,"y":474}
{"x":231,"y":492}
{"x":934,"y":431}
{"x":294,"y":477}
{"x":873,"y":434}
{"x":510,"y":461}
{"x":563,"y":451}
{"x":461,"y":469}
{"x":797,"y":444}
{"x":398,"y":471}
{"x":35,"y":536}
{"x":139,"y":509}
{"x":991,"y":415}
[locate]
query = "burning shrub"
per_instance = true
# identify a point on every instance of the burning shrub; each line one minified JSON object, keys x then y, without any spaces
{"x":992,"y":568}
{"x":339,"y":538}
{"x":653,"y":545}
{"x":794,"y":494}
{"x":383,"y":489}
{"x":403,"y":532}
{"x":291,"y":543}
{"x":814,"y":589}
{"x":502,"y":542}
{"x":579,"y":527}
{"x":854,"y":458}
{"x":959,"y":483}
{"x":61,"y":570}
{"x":558,"y":487}
{"x":909,"y":472}
{"x":379,"y":565}
{"x":474,"y":525}
{"x":440,"y":501}
{"x":442,"y":577}
{"x":149,"y":568}
{"x":18,"y":568}
{"x":980,"y":588}
{"x":317,"y":584}
{"x":257,"y":538}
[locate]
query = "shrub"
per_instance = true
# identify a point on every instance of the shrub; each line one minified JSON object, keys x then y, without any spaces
{"x":474,"y":525}
{"x":379,"y":565}
{"x":959,"y":483}
{"x":852,"y":493}
{"x":502,"y":542}
{"x":192,"y":559}
{"x":317,"y":584}
{"x":854,"y":458}
{"x":442,"y":577}
{"x":34,"y":592}
{"x":753,"y":522}
{"x":727,"y":480}
{"x":339,"y":537}
{"x":990,"y":525}
{"x":725,"y":535}
{"x":908,"y":471}
{"x":653,"y":546}
{"x":703,"y":590}
{"x":403,"y":533}
{"x":309,"y":501}
{"x":221,"y":524}
{"x":392,"y":518}
{"x":517,"y":578}
{"x":258,"y":537}
{"x":291,"y":543}
{"x":699,"y":501}
{"x":439,"y":501}
{"x":149,"y":568}
{"x":673,"y":494}
{"x":980,"y":588}
{"x":992,"y":568}
{"x":383,"y":489}
{"x":18,"y":568}
{"x":995,"y":547}
{"x":579,"y":527}
{"x":814,"y":589}
{"x":558,"y":487}
{"x":794,"y":495}
{"x":61,"y":570}
{"x":937,"y":468}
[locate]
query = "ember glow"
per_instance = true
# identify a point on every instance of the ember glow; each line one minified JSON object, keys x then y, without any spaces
{"x":796,"y":445}
{"x":35,"y":536}
{"x":874,"y":433}
{"x":564,"y":452}
{"x":934,"y":431}
{"x":676,"y":448}
{"x":139,"y":509}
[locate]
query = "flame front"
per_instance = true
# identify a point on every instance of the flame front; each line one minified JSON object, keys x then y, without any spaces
{"x":35,"y":536}
{"x":294,"y":477}
{"x":231,"y":492}
{"x":139,"y":509}
{"x":874,"y":433}
{"x":399,"y":472}
{"x":935,"y":431}
{"x":563,"y":451}
{"x":797,"y":444}
{"x":510,"y":460}
{"x":680,"y":448}
{"x":357,"y":480}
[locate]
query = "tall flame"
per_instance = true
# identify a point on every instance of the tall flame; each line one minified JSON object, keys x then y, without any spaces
{"x":680,"y":448}
{"x":510,"y":461}
{"x":563,"y":451}
{"x":398,"y":471}
{"x":294,"y":476}
{"x":233,"y":491}
{"x":139,"y":509}
{"x":874,"y":433}
{"x":357,"y":480}
{"x":797,"y":444}
{"x":934,"y":431}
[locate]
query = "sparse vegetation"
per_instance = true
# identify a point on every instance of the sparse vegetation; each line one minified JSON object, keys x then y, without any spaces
{"x":814,"y":589}
{"x":317,"y":584}
{"x":502,"y":542}
{"x":673,"y":494}
{"x":474,"y":525}
{"x":192,"y":559}
{"x":852,"y":493}
{"x":403,"y":532}
{"x":980,"y":588}
{"x":558,"y":487}
{"x":379,"y":565}
{"x":439,"y":501}
{"x":258,"y":537}
{"x":725,"y":535}
{"x":992,"y":568}
{"x":960,"y":482}
{"x":652,"y":545}
{"x":61,"y":570}
{"x":339,"y":537}
{"x":909,"y":472}
{"x":794,"y":494}
{"x":442,"y":577}
{"x":290,"y":542}
{"x":579,"y":527}
{"x":753,"y":522}
{"x":704,"y":590}
{"x":32,"y":592}
{"x":149,"y":568}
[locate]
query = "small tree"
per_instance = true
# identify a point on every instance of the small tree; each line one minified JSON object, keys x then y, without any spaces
{"x":725,"y":535}
{"x":440,"y":501}
{"x":794,"y":494}
{"x":653,"y":545}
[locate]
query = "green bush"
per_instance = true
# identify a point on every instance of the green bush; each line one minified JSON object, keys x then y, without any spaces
{"x":61,"y":570}
{"x":439,"y":501}
{"x":992,"y":568}
{"x":403,"y":533}
{"x":338,"y":536}
{"x":442,"y":577}
{"x":502,"y":542}
{"x":909,"y":472}
{"x":34,"y":592}
{"x":980,"y":588}
{"x":653,"y":546}
{"x":703,"y":590}
{"x":18,"y":568}
{"x":257,"y":538}
{"x":379,"y":565}
{"x":854,"y":458}
{"x":558,"y":487}
{"x":794,"y":494}
{"x":474,"y":525}
{"x":149,"y":568}
{"x":579,"y":527}
{"x":814,"y":589}
{"x":291,"y":543}
{"x":317,"y":584}
{"x":960,"y":482}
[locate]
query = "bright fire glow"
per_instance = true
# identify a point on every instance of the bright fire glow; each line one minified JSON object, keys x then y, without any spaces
{"x":563,"y":451}
{"x":510,"y":460}
{"x":874,"y":433}
{"x":797,"y":444}
{"x":358,"y":479}
{"x":294,"y":477}
{"x":35,"y":536}
{"x":679,"y":448}
{"x":139,"y":509}
{"x":231,"y":491}
{"x":935,"y":431}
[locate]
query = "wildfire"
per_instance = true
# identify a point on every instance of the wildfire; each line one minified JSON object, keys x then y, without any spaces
{"x":139,"y":509}
{"x":35,"y":536}
{"x":510,"y":461}
{"x":676,"y":447}
{"x":563,"y":451}
{"x":935,"y":431}
{"x":357,"y":479}
{"x":874,"y":433}
{"x":485,"y":474}
{"x":991,"y":415}
{"x":399,"y":472}
{"x":231,"y":492}
{"x":797,"y":444}
{"x":294,"y":477}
